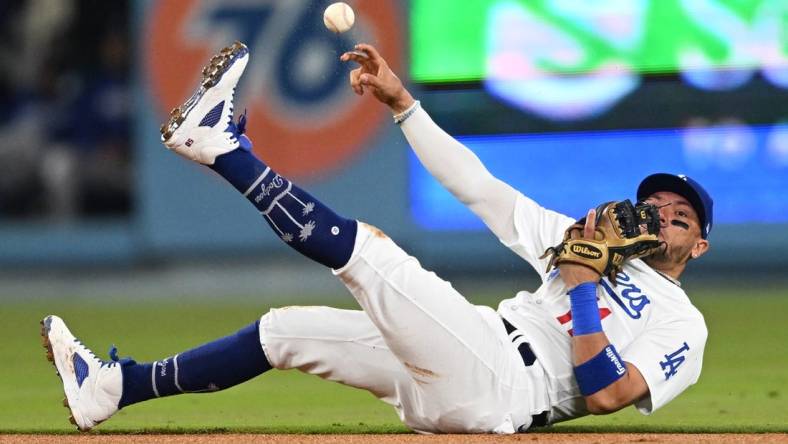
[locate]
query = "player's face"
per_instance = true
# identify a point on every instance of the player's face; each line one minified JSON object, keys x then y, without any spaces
{"x":679,"y":229}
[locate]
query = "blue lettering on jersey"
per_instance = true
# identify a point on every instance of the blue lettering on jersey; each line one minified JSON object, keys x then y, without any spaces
{"x":632,"y":299}
{"x":673,"y":361}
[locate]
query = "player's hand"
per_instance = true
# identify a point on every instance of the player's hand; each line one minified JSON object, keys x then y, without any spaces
{"x":375,"y":75}
{"x":574,"y":274}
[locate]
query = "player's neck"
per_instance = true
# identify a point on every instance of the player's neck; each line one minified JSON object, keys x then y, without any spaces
{"x":671,"y":271}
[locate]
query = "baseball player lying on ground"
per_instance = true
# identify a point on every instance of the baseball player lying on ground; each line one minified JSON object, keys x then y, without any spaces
{"x":598,"y":335}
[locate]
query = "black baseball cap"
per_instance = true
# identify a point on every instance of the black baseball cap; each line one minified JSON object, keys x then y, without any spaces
{"x":687,"y":188}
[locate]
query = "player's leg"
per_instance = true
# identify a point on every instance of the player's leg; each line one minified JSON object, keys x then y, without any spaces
{"x":469,"y":375}
{"x":337,"y":345}
{"x":96,"y":389}
{"x":202,"y":130}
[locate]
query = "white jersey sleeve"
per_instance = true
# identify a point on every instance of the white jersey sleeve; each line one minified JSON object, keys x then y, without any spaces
{"x":461,"y":172}
{"x":518,"y":222}
{"x":669,"y":356}
{"x":536,"y":229}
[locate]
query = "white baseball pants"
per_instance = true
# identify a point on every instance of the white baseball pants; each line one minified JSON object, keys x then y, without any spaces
{"x":445,"y":365}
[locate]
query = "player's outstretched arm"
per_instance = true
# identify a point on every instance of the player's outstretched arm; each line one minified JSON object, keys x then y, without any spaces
{"x":456,"y":167}
{"x":606,"y":381}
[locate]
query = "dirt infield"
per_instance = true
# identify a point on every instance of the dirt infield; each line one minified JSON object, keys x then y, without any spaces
{"x":601,"y":438}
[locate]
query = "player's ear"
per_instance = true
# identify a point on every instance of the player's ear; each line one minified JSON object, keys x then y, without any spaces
{"x":700,"y":248}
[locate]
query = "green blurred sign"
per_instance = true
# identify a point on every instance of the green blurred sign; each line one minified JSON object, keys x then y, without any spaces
{"x":450,"y":39}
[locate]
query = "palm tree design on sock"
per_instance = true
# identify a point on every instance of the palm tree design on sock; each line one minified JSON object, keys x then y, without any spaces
{"x":306,"y":230}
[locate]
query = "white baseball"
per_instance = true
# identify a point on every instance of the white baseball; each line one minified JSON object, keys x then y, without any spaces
{"x":339,"y":17}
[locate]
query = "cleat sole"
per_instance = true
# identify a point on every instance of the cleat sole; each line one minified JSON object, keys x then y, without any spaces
{"x":51,"y":358}
{"x":45,"y":340}
{"x":211,"y":75}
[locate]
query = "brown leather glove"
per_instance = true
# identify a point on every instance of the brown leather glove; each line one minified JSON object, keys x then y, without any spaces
{"x":623,"y":232}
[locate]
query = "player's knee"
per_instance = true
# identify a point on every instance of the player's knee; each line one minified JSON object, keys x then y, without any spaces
{"x":266,"y":326}
{"x":375,"y":231}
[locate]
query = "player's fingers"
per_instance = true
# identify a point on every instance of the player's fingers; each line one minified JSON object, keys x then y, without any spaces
{"x":373,"y":53}
{"x":357,"y":56}
{"x":368,"y":79}
{"x":363,"y":58}
{"x":355,"y":82}
{"x":588,"y":230}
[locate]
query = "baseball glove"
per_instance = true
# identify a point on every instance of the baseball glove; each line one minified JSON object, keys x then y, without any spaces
{"x":623,"y":232}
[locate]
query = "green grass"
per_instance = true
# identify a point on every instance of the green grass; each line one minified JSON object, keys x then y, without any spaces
{"x":743,"y":387}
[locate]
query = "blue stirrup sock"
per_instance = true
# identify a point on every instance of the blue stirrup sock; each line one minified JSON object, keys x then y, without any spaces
{"x":210,"y":367}
{"x":585,"y":310}
{"x":299,"y":219}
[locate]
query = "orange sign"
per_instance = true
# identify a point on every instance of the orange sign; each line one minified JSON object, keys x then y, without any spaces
{"x":304,"y":119}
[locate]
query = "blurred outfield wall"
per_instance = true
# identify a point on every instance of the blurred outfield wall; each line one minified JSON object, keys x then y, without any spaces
{"x":716,"y":109}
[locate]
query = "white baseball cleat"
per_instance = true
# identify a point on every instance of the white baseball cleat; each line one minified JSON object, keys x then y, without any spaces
{"x":202,"y":128}
{"x":93,"y":387}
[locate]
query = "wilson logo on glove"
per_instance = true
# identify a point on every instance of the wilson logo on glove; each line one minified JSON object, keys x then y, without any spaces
{"x":587,"y":251}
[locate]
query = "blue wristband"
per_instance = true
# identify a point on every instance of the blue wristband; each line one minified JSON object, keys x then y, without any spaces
{"x":585,"y":311}
{"x":600,"y":371}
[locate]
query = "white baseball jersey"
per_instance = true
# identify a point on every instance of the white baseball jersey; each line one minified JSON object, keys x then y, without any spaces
{"x":647,"y":317}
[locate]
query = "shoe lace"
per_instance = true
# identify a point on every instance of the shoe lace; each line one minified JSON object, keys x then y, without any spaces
{"x":237,"y":129}
{"x":113,"y":355}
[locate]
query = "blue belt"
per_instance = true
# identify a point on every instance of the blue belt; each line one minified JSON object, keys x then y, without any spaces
{"x":525,"y":348}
